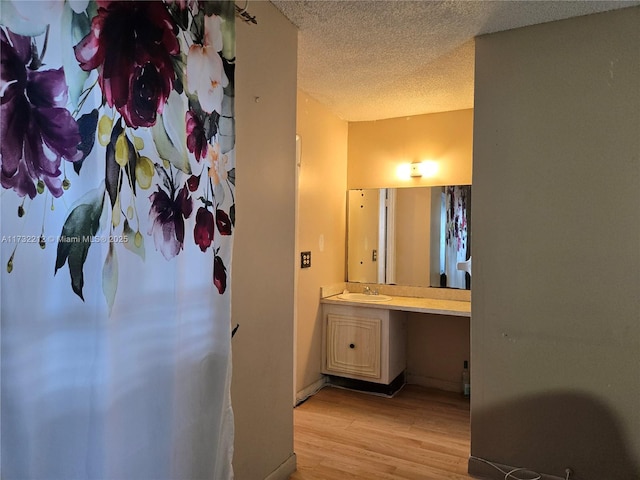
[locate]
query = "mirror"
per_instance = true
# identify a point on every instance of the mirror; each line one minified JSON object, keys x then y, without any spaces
{"x":411,"y":236}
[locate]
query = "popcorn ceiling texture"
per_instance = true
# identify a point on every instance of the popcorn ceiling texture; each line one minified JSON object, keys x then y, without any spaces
{"x":371,"y":60}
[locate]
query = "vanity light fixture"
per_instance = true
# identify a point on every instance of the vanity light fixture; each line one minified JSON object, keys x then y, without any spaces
{"x":403,"y":171}
{"x":415,"y":169}
{"x":427,"y":168}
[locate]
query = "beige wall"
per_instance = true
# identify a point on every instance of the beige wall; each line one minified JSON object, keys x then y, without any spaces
{"x":262,"y":272}
{"x":437,"y":346}
{"x":556,"y":248}
{"x":377,"y":148}
{"x":321,"y":228}
{"x":413,"y":236}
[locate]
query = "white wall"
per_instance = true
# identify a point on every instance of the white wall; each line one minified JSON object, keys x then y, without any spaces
{"x":263,"y":263}
{"x":556,"y":251}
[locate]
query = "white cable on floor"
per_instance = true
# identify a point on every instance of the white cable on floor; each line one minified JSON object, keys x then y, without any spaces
{"x":509,"y":475}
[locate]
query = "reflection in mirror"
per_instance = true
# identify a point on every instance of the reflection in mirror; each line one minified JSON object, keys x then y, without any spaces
{"x":365,"y":233}
{"x":409,"y":236}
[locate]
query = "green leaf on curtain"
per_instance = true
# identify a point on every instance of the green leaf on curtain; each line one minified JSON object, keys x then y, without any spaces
{"x":210,"y":122}
{"x":205,"y":202}
{"x":74,"y":27}
{"x":133,"y":241}
{"x":87,"y":125}
{"x":229,"y":66}
{"x":166,"y":181}
{"x":166,"y":148}
{"x":179,"y":15}
{"x":113,"y":179}
{"x":179,"y":67}
{"x":197,"y":25}
{"x":218,"y":193}
{"x":227,"y":125}
{"x":15,"y":21}
{"x":229,"y":36}
{"x":92,"y":9}
{"x":112,"y":169}
{"x":212,"y":7}
{"x":110,"y":276}
{"x":231,"y":175}
{"x":175,"y":125}
{"x":78,"y":231}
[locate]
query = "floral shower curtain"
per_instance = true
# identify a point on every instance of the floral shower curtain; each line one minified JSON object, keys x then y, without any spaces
{"x":457,"y":241}
{"x":117,"y":202}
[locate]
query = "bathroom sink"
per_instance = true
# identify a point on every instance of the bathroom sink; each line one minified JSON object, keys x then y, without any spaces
{"x":363,"y":297}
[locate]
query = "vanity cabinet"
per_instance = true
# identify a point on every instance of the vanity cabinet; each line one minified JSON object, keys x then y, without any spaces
{"x":363,"y":343}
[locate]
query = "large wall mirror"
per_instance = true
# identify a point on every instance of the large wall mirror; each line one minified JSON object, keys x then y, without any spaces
{"x":413,"y":236}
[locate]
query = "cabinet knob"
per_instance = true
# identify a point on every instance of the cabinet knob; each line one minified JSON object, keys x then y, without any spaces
{"x":352,"y":345}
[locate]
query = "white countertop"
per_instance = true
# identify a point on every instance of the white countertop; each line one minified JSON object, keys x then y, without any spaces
{"x":411,"y":304}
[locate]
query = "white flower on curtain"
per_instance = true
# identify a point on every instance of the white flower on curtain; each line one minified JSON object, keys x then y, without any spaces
{"x":205,"y":71}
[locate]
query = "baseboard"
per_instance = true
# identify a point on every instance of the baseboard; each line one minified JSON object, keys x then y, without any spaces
{"x":433,"y":383}
{"x":480,"y":468}
{"x":312,"y":389}
{"x":389,"y":390}
{"x":285,"y":470}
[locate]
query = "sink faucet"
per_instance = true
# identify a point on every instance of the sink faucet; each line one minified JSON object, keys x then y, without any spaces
{"x":369,"y":291}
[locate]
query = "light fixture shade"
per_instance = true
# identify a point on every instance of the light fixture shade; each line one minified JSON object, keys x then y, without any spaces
{"x":429,"y":168}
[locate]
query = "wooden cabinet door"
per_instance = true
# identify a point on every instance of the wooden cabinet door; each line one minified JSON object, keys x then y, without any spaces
{"x":354,"y":345}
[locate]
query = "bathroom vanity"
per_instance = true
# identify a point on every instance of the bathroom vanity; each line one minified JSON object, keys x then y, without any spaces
{"x":365,"y":336}
{"x":406,"y":244}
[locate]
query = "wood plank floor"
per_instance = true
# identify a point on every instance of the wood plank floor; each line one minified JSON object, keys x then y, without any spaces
{"x":420,"y":434}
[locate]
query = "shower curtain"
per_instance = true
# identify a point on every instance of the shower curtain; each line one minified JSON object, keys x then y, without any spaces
{"x":117,"y":202}
{"x":457,"y":241}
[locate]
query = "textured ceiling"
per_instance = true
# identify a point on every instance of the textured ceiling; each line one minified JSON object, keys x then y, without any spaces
{"x":369,"y":60}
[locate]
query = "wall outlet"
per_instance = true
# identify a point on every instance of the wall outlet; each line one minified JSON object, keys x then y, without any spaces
{"x":305,"y":259}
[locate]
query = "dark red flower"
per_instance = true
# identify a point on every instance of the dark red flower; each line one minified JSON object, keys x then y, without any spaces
{"x":219,"y":275}
{"x":193,"y":182}
{"x":223,"y":223}
{"x":167,"y":216}
{"x":196,"y":137}
{"x":36,"y":130}
{"x":131,"y":44}
{"x":204,"y":229}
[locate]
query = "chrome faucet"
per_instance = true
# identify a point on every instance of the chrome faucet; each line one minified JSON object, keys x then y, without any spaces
{"x":367,"y":290}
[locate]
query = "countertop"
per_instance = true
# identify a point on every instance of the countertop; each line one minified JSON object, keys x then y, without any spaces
{"x":410,"y":304}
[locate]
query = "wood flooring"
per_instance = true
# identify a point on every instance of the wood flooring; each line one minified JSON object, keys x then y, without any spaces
{"x":420,"y":434}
